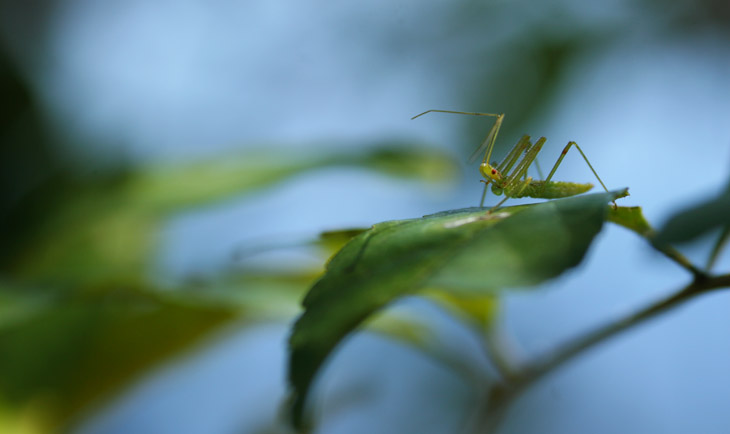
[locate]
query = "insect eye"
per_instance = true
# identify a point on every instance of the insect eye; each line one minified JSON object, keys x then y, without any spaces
{"x":494,"y":171}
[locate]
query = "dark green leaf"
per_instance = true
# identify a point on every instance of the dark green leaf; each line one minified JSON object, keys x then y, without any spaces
{"x":467,"y":251}
{"x":697,"y":220}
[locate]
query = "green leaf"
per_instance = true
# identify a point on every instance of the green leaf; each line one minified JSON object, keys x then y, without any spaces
{"x":105,"y":230}
{"x":696,"y":221}
{"x":332,"y":241}
{"x":478,"y":309}
{"x":78,"y":350}
{"x":174,"y":186}
{"x":418,"y":333}
{"x":71,"y":351}
{"x":632,"y":218}
{"x":409,"y":162}
{"x":467,"y":251}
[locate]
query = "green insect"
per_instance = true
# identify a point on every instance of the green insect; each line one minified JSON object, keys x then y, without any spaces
{"x":510,"y":176}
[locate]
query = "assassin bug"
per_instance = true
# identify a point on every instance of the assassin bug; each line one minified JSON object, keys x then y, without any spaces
{"x":510,"y":176}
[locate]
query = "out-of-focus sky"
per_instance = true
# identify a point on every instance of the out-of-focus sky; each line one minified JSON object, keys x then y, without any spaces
{"x":642,"y":86}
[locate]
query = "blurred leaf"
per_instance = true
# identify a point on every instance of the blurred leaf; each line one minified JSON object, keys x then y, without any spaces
{"x":416,"y":332}
{"x":106,"y":231}
{"x":29,"y":420}
{"x":27,"y":154}
{"x":332,"y":241}
{"x":698,"y":220}
{"x":406,"y":161}
{"x":403,"y":327}
{"x":66,"y":352}
{"x":533,"y":71}
{"x":171,"y":187}
{"x":632,"y":218}
{"x":467,"y":251}
{"x":478,"y":309}
{"x":682,"y":17}
{"x":76,"y":351}
{"x":264,"y":295}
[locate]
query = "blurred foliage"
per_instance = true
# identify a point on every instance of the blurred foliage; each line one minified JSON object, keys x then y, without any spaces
{"x":332,"y":241}
{"x":27,"y":159}
{"x":698,"y":220}
{"x":107,"y":325}
{"x":459,"y":251}
{"x":478,"y":309}
{"x":416,"y":331}
{"x":520,"y":61}
{"x":524,"y":55}
{"x":69,"y":351}
{"x":691,"y":16}
{"x":72,"y":351}
{"x":80,"y":315}
{"x":540,"y":60}
{"x":104,"y":228}
{"x":632,"y":218}
{"x":689,"y":224}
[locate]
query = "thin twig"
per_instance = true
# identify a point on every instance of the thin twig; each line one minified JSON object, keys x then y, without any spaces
{"x":717,"y":248}
{"x":501,"y":351}
{"x":504,"y":394}
{"x":540,"y":368}
{"x":673,"y":254}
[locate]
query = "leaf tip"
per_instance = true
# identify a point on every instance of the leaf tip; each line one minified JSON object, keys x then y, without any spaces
{"x":292,"y":411}
{"x":618,"y":194}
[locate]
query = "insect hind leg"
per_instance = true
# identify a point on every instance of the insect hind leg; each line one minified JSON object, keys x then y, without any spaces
{"x":560,"y":160}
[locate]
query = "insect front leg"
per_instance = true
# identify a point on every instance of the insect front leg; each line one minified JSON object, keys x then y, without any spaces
{"x":518,"y":189}
{"x":522,"y":146}
{"x":515,"y":189}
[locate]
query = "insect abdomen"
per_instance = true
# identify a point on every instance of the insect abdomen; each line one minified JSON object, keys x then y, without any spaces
{"x":553,"y":189}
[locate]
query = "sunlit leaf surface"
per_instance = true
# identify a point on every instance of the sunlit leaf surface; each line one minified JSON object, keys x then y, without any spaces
{"x":466,"y":251}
